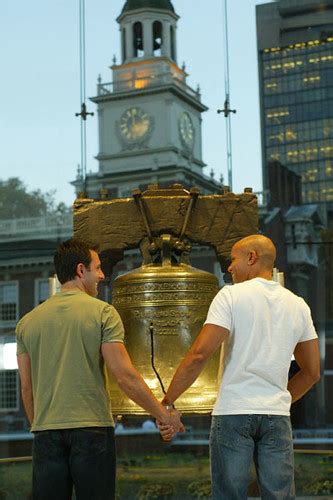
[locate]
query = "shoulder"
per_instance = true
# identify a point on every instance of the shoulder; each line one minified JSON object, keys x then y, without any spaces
{"x":238,"y":288}
{"x":88,"y":300}
{"x":299,"y":303}
{"x":102,"y":306}
{"x":250,"y":290}
{"x":33,"y":314}
{"x":291,"y":296}
{"x":224,"y":292}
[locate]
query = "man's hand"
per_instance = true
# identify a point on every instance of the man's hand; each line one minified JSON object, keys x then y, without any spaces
{"x":308,"y":359}
{"x":169,"y":429}
{"x":166,"y":431}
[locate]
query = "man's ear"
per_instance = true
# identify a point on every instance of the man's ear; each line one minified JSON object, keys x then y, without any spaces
{"x":252,"y":257}
{"x":80,"y":270}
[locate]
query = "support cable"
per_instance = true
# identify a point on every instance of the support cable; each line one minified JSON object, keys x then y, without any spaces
{"x":226,"y":109}
{"x":83,"y":114}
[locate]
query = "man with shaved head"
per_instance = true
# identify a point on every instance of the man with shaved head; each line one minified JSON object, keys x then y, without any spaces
{"x":261,"y":325}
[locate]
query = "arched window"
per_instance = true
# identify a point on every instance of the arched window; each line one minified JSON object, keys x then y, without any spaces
{"x":157,"y":38}
{"x":123,"y":44}
{"x":173,"y":43}
{"x":137,"y":39}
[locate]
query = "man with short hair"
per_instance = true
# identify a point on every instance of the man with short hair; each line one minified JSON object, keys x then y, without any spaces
{"x":63,"y":346}
{"x":261,"y":325}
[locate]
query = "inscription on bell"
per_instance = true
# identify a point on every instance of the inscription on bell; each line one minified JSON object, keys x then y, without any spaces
{"x":136,"y":295}
{"x":165,"y":322}
{"x":169,"y":313}
{"x":168,"y":286}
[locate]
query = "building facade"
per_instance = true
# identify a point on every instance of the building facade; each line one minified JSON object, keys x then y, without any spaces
{"x":26,"y":263}
{"x":295,"y":52}
{"x":295,"y":56}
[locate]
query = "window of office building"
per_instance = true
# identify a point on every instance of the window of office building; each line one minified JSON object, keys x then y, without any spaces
{"x":9,"y":390}
{"x":297,"y":90}
{"x":8,"y":302}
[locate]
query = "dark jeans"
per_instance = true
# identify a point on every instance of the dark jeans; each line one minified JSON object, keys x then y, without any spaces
{"x":82,"y":457}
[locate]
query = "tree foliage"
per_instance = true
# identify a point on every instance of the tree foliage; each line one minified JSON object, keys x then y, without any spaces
{"x":17,"y":202}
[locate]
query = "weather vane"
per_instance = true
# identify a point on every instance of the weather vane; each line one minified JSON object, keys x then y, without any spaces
{"x":84,"y":113}
{"x":226,"y":110}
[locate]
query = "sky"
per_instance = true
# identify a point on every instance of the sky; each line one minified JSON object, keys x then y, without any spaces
{"x":40,"y":86}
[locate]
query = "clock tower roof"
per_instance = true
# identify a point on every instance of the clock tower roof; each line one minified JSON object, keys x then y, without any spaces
{"x":142,"y":4}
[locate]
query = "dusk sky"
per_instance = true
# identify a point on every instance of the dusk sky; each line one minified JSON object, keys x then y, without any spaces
{"x":40,"y":88}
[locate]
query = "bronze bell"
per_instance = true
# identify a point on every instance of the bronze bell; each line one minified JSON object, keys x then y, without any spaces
{"x":163,"y":305}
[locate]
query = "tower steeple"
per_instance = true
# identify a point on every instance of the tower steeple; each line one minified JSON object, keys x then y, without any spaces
{"x":148,"y":29}
{"x":149,"y":117}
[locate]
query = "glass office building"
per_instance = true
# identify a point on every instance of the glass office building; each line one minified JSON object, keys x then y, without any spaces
{"x":295,"y":45}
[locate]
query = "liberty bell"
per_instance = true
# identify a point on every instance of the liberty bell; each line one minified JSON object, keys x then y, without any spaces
{"x":164,"y":303}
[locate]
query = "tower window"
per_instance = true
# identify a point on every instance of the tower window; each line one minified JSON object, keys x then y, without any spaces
{"x":123,"y":44}
{"x":157,"y":37}
{"x":138,"y":39}
{"x":173,"y":45}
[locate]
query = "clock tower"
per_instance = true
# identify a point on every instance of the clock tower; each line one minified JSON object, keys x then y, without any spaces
{"x":149,"y":118}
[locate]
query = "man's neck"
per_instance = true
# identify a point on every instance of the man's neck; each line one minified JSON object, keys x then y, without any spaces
{"x":72,"y":285}
{"x":266,"y":275}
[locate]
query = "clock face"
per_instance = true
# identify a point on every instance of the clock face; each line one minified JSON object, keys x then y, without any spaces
{"x":186,"y":130}
{"x":134,"y":124}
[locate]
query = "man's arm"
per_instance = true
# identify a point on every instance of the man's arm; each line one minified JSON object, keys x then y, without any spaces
{"x":207,"y":342}
{"x":24,"y":366}
{"x":130,"y":381}
{"x":308,"y":359}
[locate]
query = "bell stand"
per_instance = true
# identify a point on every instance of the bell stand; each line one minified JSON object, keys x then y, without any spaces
{"x":178,"y":245}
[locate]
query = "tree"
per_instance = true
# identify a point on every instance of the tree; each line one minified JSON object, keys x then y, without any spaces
{"x":17,"y":202}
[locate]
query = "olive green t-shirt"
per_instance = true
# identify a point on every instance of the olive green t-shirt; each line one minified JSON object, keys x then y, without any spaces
{"x":63,"y":338}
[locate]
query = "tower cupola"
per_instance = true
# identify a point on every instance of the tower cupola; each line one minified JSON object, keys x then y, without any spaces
{"x":143,"y":4}
{"x":148,"y":29}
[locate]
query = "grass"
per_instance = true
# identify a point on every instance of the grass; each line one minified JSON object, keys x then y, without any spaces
{"x":161,"y":476}
{"x":314,"y":474}
{"x":175,"y":476}
{"x":15,"y":480}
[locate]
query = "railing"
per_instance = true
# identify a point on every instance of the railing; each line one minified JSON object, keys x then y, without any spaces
{"x":136,"y":84}
{"x":313,"y":436}
{"x":303,"y":436}
{"x":36,"y":226}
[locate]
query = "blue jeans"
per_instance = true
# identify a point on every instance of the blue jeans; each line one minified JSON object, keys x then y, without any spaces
{"x":82,"y":457}
{"x":238,"y":440}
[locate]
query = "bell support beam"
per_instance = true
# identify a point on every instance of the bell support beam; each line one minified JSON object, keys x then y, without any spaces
{"x":217,"y":220}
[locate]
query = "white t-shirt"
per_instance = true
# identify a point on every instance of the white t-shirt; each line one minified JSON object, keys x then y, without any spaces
{"x":265,"y":321}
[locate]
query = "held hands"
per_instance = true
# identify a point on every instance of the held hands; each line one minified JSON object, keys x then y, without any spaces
{"x":171,"y":424}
